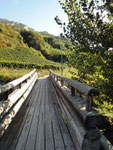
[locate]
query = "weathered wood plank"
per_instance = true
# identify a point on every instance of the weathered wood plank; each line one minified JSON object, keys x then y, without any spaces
{"x":58,"y":140}
{"x":7,"y":119}
{"x":25,"y":132}
{"x":48,"y":127}
{"x":40,"y":137}
{"x":71,"y":125}
{"x":79,"y":136}
{"x":11,"y":136}
{"x":65,"y":131}
{"x":88,"y":118}
{"x":14,"y":83}
{"x":43,"y":127}
{"x":32,"y":96}
{"x":13,"y":97}
{"x":30,"y":144}
{"x":81,"y":87}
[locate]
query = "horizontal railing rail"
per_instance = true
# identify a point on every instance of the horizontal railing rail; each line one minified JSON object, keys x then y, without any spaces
{"x":8,"y":88}
{"x":80,"y":116}
{"x":12,"y":97}
{"x":76,"y":88}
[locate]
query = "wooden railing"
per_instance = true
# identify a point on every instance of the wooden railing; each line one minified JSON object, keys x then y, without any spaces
{"x":76,"y":101}
{"x":77,"y":89}
{"x":12,"y":96}
{"x":6,"y":89}
{"x":80,"y":100}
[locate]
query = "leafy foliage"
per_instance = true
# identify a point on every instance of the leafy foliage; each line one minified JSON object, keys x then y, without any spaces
{"x":90,"y":29}
{"x":54,"y":41}
{"x":35,"y":40}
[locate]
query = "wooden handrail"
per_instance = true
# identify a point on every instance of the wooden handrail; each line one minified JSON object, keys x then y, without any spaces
{"x":18,"y":82}
{"x":76,"y":86}
{"x":83,"y":123}
{"x":12,"y":96}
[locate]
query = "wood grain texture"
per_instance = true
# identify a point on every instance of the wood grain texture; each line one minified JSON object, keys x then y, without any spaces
{"x":14,"y":104}
{"x":42,"y":125}
{"x":81,"y":87}
{"x":16,"y":82}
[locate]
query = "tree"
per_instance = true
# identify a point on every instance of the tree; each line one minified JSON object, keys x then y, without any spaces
{"x":90,"y":28}
{"x":33,"y":39}
{"x":87,"y":25}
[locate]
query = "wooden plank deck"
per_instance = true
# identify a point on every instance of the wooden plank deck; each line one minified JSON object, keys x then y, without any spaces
{"x":39,"y":125}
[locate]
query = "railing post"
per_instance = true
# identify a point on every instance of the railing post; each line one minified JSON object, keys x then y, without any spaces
{"x":62,"y":82}
{"x":26,"y":80}
{"x":72,"y":91}
{"x":68,"y":86}
{"x":55,"y":78}
{"x":6,"y":95}
{"x":89,"y":103}
{"x":20,"y":85}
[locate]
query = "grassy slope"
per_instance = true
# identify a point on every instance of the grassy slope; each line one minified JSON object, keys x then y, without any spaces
{"x":6,"y":73}
{"x":9,"y":37}
{"x":13,"y":49}
{"x":36,"y":40}
{"x":24,"y":56}
{"x":48,"y":49}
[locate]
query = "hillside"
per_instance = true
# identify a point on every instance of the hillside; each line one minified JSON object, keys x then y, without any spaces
{"x":9,"y":37}
{"x":20,"y":26}
{"x":55,"y":41}
{"x":15,"y":53}
{"x":37,"y":41}
{"x":15,"y":24}
{"x":48,"y":44}
{"x":52,"y":40}
{"x":21,"y":57}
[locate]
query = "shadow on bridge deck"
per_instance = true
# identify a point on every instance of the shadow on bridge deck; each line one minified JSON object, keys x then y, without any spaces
{"x":39,"y":125}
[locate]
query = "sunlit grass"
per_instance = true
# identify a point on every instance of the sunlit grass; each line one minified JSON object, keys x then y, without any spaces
{"x":7,"y":74}
{"x":42,"y":72}
{"x":67,"y":72}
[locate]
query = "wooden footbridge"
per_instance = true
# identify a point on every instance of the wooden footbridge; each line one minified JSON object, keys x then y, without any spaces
{"x":49,"y":113}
